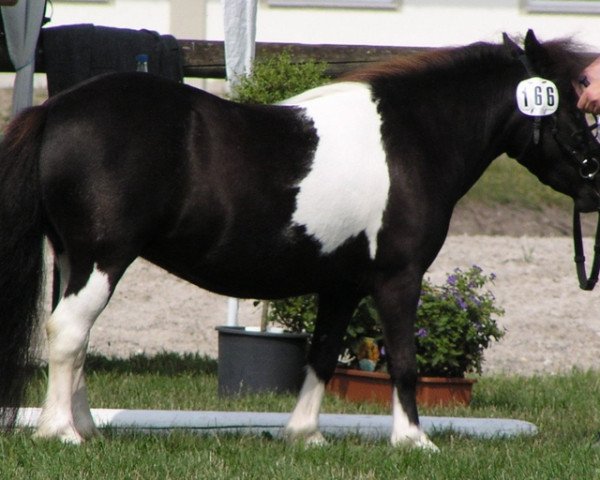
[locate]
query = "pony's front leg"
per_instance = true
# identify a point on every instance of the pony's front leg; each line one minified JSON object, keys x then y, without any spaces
{"x":66,"y":414}
{"x":333,"y":317}
{"x":397,"y":302}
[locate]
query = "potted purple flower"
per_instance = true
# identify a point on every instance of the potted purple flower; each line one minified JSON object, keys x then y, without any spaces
{"x":456,"y":322}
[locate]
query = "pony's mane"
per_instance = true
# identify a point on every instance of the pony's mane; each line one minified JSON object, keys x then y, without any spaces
{"x":566,"y":59}
{"x":402,"y":64}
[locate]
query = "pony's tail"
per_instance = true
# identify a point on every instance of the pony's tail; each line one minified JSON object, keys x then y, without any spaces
{"x":21,"y":256}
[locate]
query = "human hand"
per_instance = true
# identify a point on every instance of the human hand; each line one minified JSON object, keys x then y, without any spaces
{"x":589,"y":101}
{"x":588,"y":88}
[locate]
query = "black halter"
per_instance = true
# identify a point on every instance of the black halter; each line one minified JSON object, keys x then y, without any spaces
{"x":583,"y":157}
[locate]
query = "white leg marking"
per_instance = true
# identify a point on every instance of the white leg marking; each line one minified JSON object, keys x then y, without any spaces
{"x":406,"y":434}
{"x":68,"y":328}
{"x":346,"y":191}
{"x":304,"y":422}
{"x":82,"y":415}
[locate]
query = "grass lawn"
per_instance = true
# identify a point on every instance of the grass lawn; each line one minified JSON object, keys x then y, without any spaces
{"x":565,"y":408}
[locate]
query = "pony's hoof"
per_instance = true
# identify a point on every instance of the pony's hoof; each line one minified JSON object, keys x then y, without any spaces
{"x":90,"y":433}
{"x":315,"y":439}
{"x":420,"y":442}
{"x":68,"y":437}
{"x":426,"y":445}
{"x":307,"y":438}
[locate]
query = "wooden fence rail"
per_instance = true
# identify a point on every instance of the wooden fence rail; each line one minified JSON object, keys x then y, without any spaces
{"x":206,"y":58}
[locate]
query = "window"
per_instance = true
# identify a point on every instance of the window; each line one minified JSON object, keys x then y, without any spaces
{"x":563,"y":6}
{"x":389,"y":4}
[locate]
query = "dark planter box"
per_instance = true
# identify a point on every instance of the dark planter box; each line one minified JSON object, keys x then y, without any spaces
{"x":256,"y":362}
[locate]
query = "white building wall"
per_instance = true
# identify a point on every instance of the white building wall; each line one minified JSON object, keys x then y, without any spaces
{"x":421,"y":23}
{"x":414,"y":23}
{"x":136,"y":14}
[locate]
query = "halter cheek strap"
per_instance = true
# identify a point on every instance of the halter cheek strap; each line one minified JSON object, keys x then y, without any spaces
{"x":537,"y":120}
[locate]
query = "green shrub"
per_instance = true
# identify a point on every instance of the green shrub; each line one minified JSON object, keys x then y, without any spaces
{"x":294,"y":314}
{"x":455,"y":323}
{"x":277,"y":77}
{"x":298,"y":314}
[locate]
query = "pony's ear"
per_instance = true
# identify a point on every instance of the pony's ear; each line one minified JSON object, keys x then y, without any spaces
{"x":511,"y":46}
{"x":533,"y":48}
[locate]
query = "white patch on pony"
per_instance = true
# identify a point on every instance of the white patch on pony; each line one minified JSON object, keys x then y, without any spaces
{"x":346,"y":191}
{"x":66,"y":413}
{"x":304,"y":421}
{"x":405,"y":433}
{"x":325,"y":90}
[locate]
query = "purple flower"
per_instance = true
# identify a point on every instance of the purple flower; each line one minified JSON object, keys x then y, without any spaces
{"x":461,"y":302}
{"x":475,"y":300}
{"x":422,"y":332}
{"x":451,"y":280}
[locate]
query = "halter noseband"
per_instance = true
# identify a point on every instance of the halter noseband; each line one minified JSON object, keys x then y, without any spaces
{"x":589,"y":166}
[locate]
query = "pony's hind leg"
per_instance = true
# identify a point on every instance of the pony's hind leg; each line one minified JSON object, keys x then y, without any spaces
{"x":82,"y":415}
{"x":333,"y":317}
{"x":66,"y":414}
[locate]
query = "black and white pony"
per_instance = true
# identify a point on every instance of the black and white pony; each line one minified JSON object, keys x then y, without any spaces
{"x":346,"y":190}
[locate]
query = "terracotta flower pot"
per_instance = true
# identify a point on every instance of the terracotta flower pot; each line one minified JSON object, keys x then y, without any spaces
{"x":361,"y":386}
{"x":436,"y":391}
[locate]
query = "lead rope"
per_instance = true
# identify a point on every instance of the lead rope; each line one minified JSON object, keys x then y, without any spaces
{"x":585,"y":282}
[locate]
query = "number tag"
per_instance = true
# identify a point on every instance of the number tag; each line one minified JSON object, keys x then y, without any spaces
{"x":537,"y":97}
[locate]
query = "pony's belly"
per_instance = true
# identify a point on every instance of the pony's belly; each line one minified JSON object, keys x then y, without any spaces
{"x":266,"y":279}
